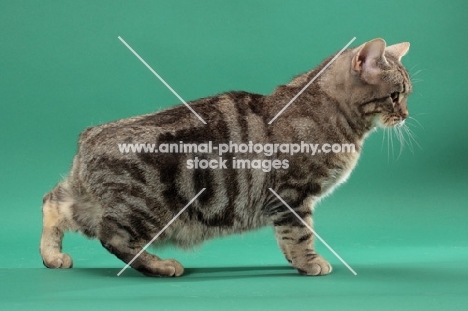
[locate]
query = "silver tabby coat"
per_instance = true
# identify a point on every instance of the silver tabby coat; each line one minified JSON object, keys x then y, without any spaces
{"x":124,"y":200}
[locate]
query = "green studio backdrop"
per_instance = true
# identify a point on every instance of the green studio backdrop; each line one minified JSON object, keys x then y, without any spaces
{"x":400,"y":221}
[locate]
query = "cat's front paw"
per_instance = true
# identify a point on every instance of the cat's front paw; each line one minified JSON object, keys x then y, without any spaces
{"x":314,"y":266}
{"x":59,"y":260}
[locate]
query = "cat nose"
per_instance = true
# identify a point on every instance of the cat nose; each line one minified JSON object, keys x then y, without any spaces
{"x":404,"y":113}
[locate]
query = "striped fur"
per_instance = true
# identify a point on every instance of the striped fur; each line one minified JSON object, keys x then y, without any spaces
{"x":125,"y":199}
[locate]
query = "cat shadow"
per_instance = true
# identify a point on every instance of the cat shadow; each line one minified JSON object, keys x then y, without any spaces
{"x":414,"y":272}
{"x":375,"y":273}
{"x":192,"y":274}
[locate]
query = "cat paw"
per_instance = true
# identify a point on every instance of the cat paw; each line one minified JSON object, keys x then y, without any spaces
{"x":178,"y":268}
{"x":163,"y":268}
{"x":315,"y":266}
{"x":59,"y":260}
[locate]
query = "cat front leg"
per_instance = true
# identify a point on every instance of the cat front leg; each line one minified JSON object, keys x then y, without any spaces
{"x":297,"y":242}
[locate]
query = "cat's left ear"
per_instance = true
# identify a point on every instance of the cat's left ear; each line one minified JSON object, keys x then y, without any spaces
{"x":366,"y":58}
{"x":398,"y":50}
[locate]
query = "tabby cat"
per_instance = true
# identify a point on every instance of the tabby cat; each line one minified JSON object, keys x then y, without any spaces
{"x":125,"y":199}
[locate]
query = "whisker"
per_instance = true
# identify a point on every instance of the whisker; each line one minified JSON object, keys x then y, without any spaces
{"x":388,"y":143}
{"x":412,"y":136}
{"x":383,"y":140}
{"x":391,"y":142}
{"x":415,"y":74}
{"x":411,"y":69}
{"x":400,"y":138}
{"x":418,"y":123}
{"x":422,"y":113}
{"x":409,"y":141}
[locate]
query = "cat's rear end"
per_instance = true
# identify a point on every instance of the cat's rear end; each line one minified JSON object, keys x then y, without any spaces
{"x":125,"y":199}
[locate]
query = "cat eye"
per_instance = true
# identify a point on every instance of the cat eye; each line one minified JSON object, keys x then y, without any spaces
{"x":395,"y":97}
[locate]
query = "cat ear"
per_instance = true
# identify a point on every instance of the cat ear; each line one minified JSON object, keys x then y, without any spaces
{"x":398,"y":50}
{"x":365,"y":60}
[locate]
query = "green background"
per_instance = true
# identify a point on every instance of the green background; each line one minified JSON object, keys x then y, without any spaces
{"x":400,"y":221}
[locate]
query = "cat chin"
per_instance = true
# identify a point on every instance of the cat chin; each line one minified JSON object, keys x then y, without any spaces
{"x":377,"y":123}
{"x":398,"y":124}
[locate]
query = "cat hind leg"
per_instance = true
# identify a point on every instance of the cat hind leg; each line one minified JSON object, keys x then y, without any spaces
{"x":117,"y":241}
{"x":57,"y":219}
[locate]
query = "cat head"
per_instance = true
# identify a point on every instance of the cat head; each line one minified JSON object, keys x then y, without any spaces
{"x":382,"y":83}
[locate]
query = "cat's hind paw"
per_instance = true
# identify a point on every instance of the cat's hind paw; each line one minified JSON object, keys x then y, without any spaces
{"x":163,"y":268}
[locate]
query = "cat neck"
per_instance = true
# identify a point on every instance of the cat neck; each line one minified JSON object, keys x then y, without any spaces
{"x":329,"y":100}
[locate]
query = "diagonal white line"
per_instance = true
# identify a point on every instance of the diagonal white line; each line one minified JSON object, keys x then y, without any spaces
{"x":313,"y":79}
{"x":161,"y":79}
{"x":315,"y":233}
{"x":160,"y":232}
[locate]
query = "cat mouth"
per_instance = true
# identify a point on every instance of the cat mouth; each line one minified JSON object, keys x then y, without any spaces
{"x":400,"y":123}
{"x":395,"y":122}
{"x":390,"y":121}
{"x":398,"y":120}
